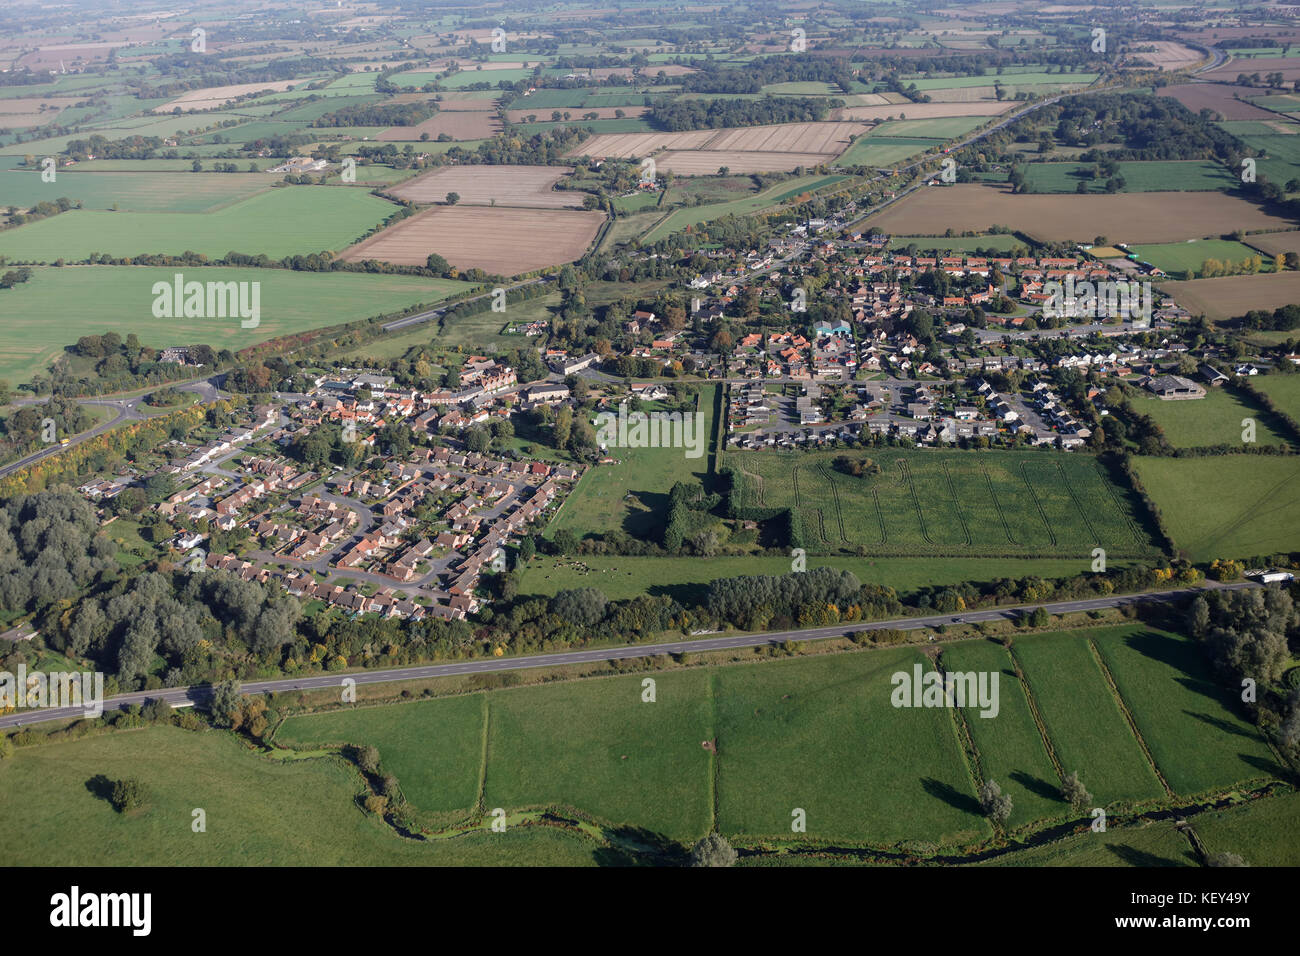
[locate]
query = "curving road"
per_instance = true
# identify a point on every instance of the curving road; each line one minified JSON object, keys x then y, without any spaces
{"x":199,"y":694}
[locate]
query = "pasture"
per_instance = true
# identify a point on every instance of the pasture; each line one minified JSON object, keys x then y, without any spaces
{"x":1284,"y":390}
{"x":1226,"y":505}
{"x":499,"y":241}
{"x":278,"y":222}
{"x":1139,"y":177}
{"x":1188,"y":258}
{"x":936,"y":502}
{"x":134,"y":191}
{"x":1215,"y":419}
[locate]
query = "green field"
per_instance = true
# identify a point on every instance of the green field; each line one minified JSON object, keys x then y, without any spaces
{"x":1151,"y":845}
{"x":1008,"y":79}
{"x":279,"y":222}
{"x":1004,"y":244}
{"x":632,"y":495}
{"x":1188,"y":176}
{"x":871,"y":150}
{"x":1188,"y":257}
{"x":1227,"y":505}
{"x":1252,"y":831}
{"x":259,"y":812}
{"x":622,"y":576}
{"x":134,"y":192}
{"x":91,"y":300}
{"x":946,"y":127}
{"x":946,"y":502}
{"x":690,"y":216}
{"x":1284,"y":390}
{"x":1213,"y":420}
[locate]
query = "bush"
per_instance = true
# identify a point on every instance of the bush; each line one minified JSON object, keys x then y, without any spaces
{"x":128,"y":794}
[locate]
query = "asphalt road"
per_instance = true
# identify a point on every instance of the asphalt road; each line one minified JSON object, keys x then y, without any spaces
{"x":186,"y":696}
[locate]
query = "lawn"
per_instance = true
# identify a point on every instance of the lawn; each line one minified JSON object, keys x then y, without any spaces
{"x":1215,"y":419}
{"x":259,"y":812}
{"x":822,"y":735}
{"x":279,"y":222}
{"x":945,"y":502}
{"x":91,"y":300}
{"x":1083,"y":719}
{"x":1189,"y":257}
{"x":1198,"y":741}
{"x":1186,"y":176}
{"x":1227,"y":505}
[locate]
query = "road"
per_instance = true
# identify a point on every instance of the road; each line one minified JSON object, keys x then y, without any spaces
{"x":441,"y":310}
{"x":186,"y":696}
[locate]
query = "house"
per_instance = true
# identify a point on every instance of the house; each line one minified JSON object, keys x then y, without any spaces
{"x":1174,"y":387}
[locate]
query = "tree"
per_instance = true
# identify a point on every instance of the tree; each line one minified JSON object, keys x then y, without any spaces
{"x":227,"y":701}
{"x":128,"y":794}
{"x":1039,"y":617}
{"x":437,"y":264}
{"x":995,"y":804}
{"x":713,"y":850}
{"x":453,"y":198}
{"x":1074,"y":792}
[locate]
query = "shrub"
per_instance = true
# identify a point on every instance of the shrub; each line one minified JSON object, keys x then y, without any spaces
{"x":128,"y":794}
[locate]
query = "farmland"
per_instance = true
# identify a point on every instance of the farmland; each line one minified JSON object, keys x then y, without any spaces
{"x":91,"y":300}
{"x":1140,"y":217}
{"x":1139,"y":177}
{"x":1215,"y":419}
{"x":1284,"y":390}
{"x":1188,"y":258}
{"x":1260,"y":515}
{"x":689,"y":216}
{"x":458,"y":124}
{"x":498,"y":240}
{"x":144,"y":191}
{"x":940,"y":502}
{"x":532,"y":186}
{"x":278,"y":222}
{"x":1232,"y":296}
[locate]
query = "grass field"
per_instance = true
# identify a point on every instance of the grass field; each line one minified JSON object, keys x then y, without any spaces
{"x":941,"y":502}
{"x":624,"y":577}
{"x":134,"y":191}
{"x":694,"y":215}
{"x":632,"y":495}
{"x":884,"y":150}
{"x":1190,"y":176}
{"x":1284,"y":390}
{"x":91,"y":300}
{"x":947,"y":127}
{"x":279,"y":222}
{"x":1252,"y":831}
{"x":259,"y":812}
{"x":1228,"y":505}
{"x":1189,"y":257}
{"x":1213,"y":420}
{"x":1153,"y":845}
{"x":1007,"y":79}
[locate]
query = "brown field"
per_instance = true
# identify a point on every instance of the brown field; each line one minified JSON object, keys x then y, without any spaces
{"x":458,"y":124}
{"x":921,"y":111}
{"x":530,"y":186}
{"x":499,"y":241}
{"x":1169,"y":55}
{"x":450,"y":102}
{"x":865,"y":99}
{"x":1132,"y":217}
{"x":23,"y":111}
{"x":602,"y":112}
{"x":1228,"y":73}
{"x":1232,"y":296}
{"x":1272,"y":243}
{"x":750,"y":149}
{"x":1220,"y":98}
{"x":959,"y":94}
{"x":214,"y":96}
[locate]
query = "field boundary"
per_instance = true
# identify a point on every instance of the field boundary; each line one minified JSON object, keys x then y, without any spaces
{"x":1128,"y":714}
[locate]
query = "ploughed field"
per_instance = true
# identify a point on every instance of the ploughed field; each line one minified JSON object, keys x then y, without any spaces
{"x":936,"y":502}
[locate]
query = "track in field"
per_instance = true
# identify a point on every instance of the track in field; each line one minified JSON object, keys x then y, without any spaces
{"x":1002,"y":516}
{"x":1024,"y":473}
{"x":956,"y":505}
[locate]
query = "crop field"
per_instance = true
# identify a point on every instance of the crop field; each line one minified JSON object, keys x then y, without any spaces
{"x":214,"y":97}
{"x":936,"y":128}
{"x":1007,"y":79}
{"x":575,"y":99}
{"x":1138,"y":217}
{"x":133,"y":191}
{"x":919,"y":111}
{"x":1189,"y":257}
{"x":458,"y":124}
{"x":1232,"y":296}
{"x":1271,"y":243}
{"x":1139,"y":177}
{"x":91,"y":300}
{"x":942,"y":502}
{"x":1215,"y":419}
{"x":1226,"y":505}
{"x":532,"y":186}
{"x":499,"y":241}
{"x":278,"y":222}
{"x":1284,"y":390}
{"x":47,"y":788}
{"x":1219,"y":97}
{"x":885,"y":150}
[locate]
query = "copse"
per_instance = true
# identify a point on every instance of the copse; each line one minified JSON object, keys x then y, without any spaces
{"x":736,"y":599}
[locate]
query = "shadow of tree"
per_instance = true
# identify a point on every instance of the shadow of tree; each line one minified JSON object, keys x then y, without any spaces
{"x":637,"y":846}
{"x":101,"y":787}
{"x":951,"y":796}
{"x":1036,"y":786}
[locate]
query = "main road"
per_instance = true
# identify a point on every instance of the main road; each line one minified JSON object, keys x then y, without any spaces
{"x":199,"y":694}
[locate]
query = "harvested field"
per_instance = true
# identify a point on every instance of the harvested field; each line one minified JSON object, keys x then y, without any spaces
{"x":957,"y":94}
{"x":458,"y":124}
{"x":920,"y":111}
{"x":20,"y":112}
{"x":499,"y":241}
{"x":532,"y":186}
{"x":214,"y":96}
{"x":1134,"y":217}
{"x":633,"y":145}
{"x":707,"y":162}
{"x":1274,"y":242}
{"x":1289,"y":67}
{"x":1231,"y":296}
{"x":1220,"y":98}
{"x":1169,"y":55}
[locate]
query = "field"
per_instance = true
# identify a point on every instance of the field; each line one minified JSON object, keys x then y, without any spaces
{"x":1140,"y":217}
{"x":1007,"y":79}
{"x":632,"y":495}
{"x":1139,"y":177}
{"x":1212,"y":420}
{"x":279,"y":222}
{"x":1284,"y":390}
{"x":1220,"y":98}
{"x":499,"y":241}
{"x":213,"y":97}
{"x":620,"y":577}
{"x":690,"y":216}
{"x":532,"y":186}
{"x":921,"y":110}
{"x":942,"y":502}
{"x":91,"y":300}
{"x":135,"y":191}
{"x":1233,"y":296}
{"x":884,"y":151}
{"x":1271,"y":243}
{"x":746,"y":150}
{"x":1188,"y":257}
{"x":1259,"y":514}
{"x":260,"y":812}
{"x":1252,"y":831}
{"x":458,"y":124}
{"x":936,"y":128}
